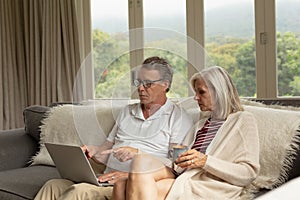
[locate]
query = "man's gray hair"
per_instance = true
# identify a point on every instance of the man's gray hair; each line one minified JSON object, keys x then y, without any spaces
{"x":162,"y":66}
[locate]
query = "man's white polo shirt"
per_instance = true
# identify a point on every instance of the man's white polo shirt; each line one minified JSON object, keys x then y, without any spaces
{"x":153,"y":135}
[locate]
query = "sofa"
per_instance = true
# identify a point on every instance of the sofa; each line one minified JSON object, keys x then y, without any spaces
{"x":25,"y":164}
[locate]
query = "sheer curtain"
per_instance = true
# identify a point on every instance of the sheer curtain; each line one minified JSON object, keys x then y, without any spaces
{"x":42,"y":45}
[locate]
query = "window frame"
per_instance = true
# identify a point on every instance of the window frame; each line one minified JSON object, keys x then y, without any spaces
{"x":265,"y":37}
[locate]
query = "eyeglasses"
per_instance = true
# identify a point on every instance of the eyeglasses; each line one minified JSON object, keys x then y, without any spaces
{"x":145,"y":83}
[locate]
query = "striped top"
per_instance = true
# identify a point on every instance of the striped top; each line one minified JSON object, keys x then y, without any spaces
{"x":206,"y":134}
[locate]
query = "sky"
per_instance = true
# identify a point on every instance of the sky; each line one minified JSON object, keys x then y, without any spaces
{"x":112,"y":15}
{"x":108,"y":8}
{"x":105,"y":8}
{"x":104,"y":12}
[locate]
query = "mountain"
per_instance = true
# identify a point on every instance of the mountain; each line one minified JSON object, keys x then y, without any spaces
{"x":230,"y":21}
{"x":238,"y":20}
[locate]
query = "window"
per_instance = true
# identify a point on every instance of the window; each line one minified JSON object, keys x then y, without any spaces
{"x":165,"y":36}
{"x":155,"y":27}
{"x":288,"y":43}
{"x":230,"y":41}
{"x":258,"y":46}
{"x":111,"y":49}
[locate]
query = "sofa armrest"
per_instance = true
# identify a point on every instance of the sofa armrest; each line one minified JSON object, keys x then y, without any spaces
{"x":16,"y":149}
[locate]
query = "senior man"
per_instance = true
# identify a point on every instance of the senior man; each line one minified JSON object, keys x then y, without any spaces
{"x":151,"y":126}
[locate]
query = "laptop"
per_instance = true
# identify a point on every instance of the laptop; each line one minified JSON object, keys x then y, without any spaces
{"x":72,"y":164}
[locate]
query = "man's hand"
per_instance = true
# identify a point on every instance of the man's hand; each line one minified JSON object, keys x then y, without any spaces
{"x":122,"y":153}
{"x":94,"y":152}
{"x":90,"y":151}
{"x":113,"y":176}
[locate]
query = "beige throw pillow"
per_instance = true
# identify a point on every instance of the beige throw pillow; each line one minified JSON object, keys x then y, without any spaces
{"x":75,"y":125}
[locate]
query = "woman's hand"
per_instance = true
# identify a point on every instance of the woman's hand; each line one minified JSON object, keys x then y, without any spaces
{"x":191,"y":159}
{"x":122,"y":153}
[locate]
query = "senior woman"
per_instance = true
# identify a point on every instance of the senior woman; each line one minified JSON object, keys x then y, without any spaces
{"x":224,"y":150}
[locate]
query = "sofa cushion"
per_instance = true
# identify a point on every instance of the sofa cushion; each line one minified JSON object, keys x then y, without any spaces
{"x":278,"y":137}
{"x":16,"y":148}
{"x":33,"y":115}
{"x":25,"y":182}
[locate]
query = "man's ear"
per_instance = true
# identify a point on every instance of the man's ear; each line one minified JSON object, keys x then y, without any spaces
{"x":167,"y":85}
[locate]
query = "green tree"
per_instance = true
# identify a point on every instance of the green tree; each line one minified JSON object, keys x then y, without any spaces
{"x":288,"y":65}
{"x":224,"y":55}
{"x":245,"y":74}
{"x":173,"y":52}
{"x":238,"y":58}
{"x":117,"y":81}
{"x":111,"y":65}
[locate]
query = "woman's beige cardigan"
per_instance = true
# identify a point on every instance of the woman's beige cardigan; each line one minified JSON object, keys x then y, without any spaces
{"x":232,"y":162}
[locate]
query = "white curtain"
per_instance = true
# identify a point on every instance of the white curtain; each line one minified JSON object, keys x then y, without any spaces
{"x":42,"y":45}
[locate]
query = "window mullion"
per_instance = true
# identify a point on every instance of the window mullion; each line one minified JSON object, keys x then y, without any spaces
{"x":266,"y":75}
{"x":136,"y":34}
{"x":195,"y":36}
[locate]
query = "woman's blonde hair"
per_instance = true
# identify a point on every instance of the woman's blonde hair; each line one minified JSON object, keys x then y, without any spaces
{"x":225,"y":97}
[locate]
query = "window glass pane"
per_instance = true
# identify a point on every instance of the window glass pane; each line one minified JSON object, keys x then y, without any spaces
{"x":288,"y":47}
{"x":110,"y":49}
{"x":230,"y":42}
{"x":165,"y":36}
